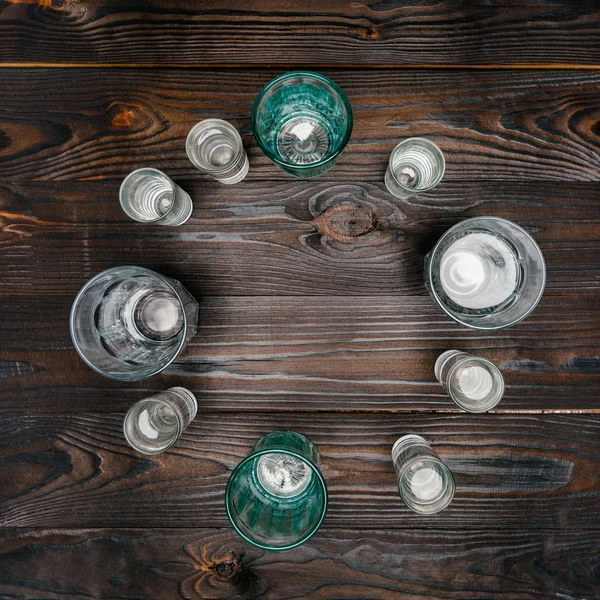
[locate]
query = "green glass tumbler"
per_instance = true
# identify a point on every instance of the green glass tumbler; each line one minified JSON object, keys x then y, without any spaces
{"x":302,"y":121}
{"x":276,"y":498}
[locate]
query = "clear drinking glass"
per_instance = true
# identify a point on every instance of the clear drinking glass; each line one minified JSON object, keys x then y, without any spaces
{"x":302,"y":121}
{"x":486,"y":273}
{"x":129,"y":323}
{"x":416,"y":165}
{"x":150,"y":196}
{"x":154,"y":424}
{"x":215,"y":147}
{"x":276,"y":498}
{"x":475,"y":384}
{"x":425,"y":483}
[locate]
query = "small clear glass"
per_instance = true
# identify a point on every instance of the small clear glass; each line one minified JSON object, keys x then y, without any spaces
{"x":276,"y":498}
{"x":154,"y":424}
{"x":486,"y":273}
{"x":150,"y":196}
{"x":215,"y":147}
{"x":416,"y":165}
{"x":302,"y":121}
{"x":129,"y":323}
{"x":425,"y":483}
{"x":475,"y":384}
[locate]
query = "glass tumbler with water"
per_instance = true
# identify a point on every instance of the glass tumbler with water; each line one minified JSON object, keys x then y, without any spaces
{"x":150,"y":196}
{"x":215,"y":147}
{"x":129,"y":323}
{"x":416,"y":165}
{"x":276,"y":498}
{"x":425,"y":483}
{"x":486,"y":273}
{"x":302,"y":121}
{"x":475,"y":384}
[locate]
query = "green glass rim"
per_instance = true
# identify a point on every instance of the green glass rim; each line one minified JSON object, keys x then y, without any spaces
{"x":323,"y":79}
{"x":279,"y":450}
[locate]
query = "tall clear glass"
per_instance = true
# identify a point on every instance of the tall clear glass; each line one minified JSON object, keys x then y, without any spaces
{"x":276,"y":498}
{"x":129,"y":323}
{"x":150,"y":196}
{"x":215,"y":147}
{"x":486,"y":273}
{"x":475,"y":384}
{"x":425,"y":483}
{"x":302,"y":121}
{"x":154,"y":424}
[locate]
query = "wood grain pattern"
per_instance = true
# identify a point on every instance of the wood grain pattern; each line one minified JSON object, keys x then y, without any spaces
{"x":291,"y":33}
{"x":512,"y":471}
{"x":94,"y":123}
{"x":317,"y":353}
{"x":163,"y":564}
{"x":266,"y":238}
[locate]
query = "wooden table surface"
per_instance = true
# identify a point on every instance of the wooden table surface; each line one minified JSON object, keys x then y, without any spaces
{"x":313,"y":312}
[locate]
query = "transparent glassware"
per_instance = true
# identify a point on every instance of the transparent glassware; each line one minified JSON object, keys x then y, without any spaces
{"x":425,"y":483}
{"x":302,"y":121}
{"x":129,"y":323}
{"x":276,"y":498}
{"x":486,"y":273}
{"x":150,"y":196}
{"x":416,"y":165}
{"x":215,"y":147}
{"x":154,"y":424}
{"x":475,"y":384}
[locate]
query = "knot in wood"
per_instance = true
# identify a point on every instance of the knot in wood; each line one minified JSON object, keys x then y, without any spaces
{"x":226,"y":568}
{"x":346,"y":221}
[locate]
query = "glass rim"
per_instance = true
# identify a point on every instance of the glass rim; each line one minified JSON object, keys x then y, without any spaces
{"x":279,"y":450}
{"x":229,"y":127}
{"x":158,"y":401}
{"x":479,"y":326}
{"x":492,"y":367}
{"x":156,"y":171}
{"x":77,"y":301}
{"x":323,"y":79}
{"x":436,"y":149}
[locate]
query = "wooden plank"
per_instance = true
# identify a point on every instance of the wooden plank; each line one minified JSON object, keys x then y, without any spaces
{"x":268,"y":238}
{"x":201,"y":563}
{"x":512,"y":471}
{"x":314,"y":354}
{"x":91,"y":123}
{"x":293,"y":33}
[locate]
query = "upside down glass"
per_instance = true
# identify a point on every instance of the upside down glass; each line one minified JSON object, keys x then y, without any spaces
{"x":276,"y":498}
{"x":154,"y":424}
{"x":129,"y":323}
{"x":425,"y":483}
{"x":486,"y":273}
{"x":302,"y":121}
{"x":475,"y":384}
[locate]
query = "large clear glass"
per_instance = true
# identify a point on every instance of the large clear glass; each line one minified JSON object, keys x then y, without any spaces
{"x":486,"y":273}
{"x":276,"y":498}
{"x":425,"y":483}
{"x":150,"y":196}
{"x":302,"y":121}
{"x":129,"y":323}
{"x":215,"y":147}
{"x":475,"y":384}
{"x":154,"y":424}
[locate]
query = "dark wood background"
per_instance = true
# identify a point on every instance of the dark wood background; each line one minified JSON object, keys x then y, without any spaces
{"x":313,"y":312}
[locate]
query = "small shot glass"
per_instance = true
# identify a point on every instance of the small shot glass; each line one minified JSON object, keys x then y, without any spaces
{"x":425,"y":483}
{"x":215,"y":147}
{"x":150,"y":196}
{"x":475,"y":384}
{"x":154,"y":424}
{"x":416,"y":165}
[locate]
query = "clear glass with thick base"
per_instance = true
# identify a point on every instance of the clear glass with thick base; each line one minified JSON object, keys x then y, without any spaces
{"x":302,"y":121}
{"x":276,"y":498}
